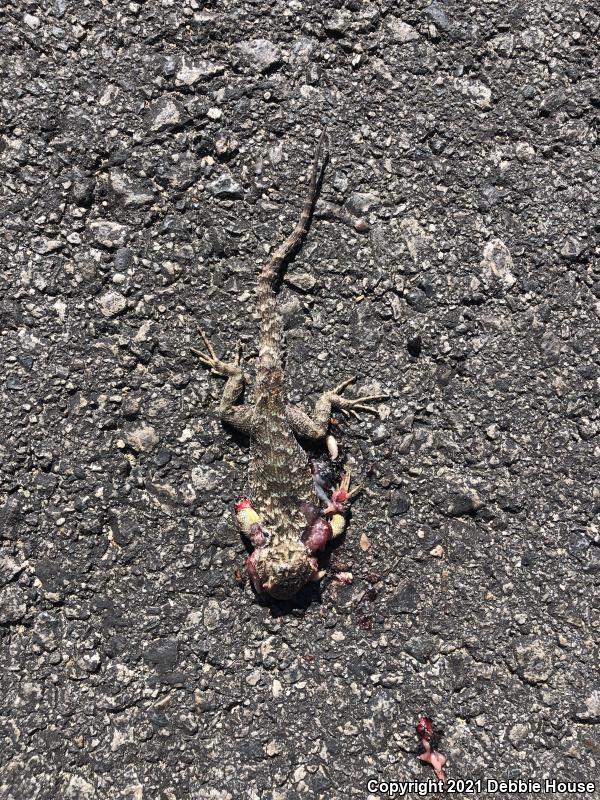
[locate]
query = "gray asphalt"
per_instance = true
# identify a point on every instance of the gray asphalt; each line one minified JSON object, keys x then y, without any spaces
{"x":150,"y":154}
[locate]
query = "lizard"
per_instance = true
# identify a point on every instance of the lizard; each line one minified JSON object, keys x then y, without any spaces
{"x":293,"y":508}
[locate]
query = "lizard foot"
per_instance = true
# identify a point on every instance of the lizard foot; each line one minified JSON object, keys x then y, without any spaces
{"x":351,"y":405}
{"x":226,"y":369}
{"x":339,"y":504}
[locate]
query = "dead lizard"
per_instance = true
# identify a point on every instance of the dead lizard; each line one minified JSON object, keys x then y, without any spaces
{"x":293,"y":509}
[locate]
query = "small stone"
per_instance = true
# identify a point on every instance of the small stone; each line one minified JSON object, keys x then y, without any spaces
{"x":534,"y":660}
{"x":189,"y":71}
{"x":438,"y":16}
{"x":359,"y":203}
{"x":162,"y":654}
{"x":108,"y":234}
{"x":591,"y":713}
{"x":414,"y":346}
{"x":79,"y":789}
{"x":226,"y":187}
{"x":91,"y":662}
{"x":111,"y":303}
{"x":503,"y":45}
{"x":399,"y":504}
{"x":340,"y":181}
{"x":273,"y":748}
{"x":476,"y":91}
{"x":301,"y":280}
{"x":525,"y":152}
{"x":123,"y":259}
{"x":552,"y":103}
{"x":337,"y":23}
{"x":214,"y":113}
{"x":416,"y":238}
{"x":8,"y":569}
{"x":130,"y":407}
{"x":43,"y":245}
{"x":132,"y":194}
{"x":182,"y":173}
{"x":259,"y":54}
{"x":82,"y":190}
{"x":401,"y":32}
{"x":437,"y":551}
{"x":12,"y":604}
{"x":211,"y":615}
{"x":518,"y":734}
{"x":164,"y":113}
{"x":142,"y":439}
{"x":31,"y":21}
{"x":124,"y":530}
{"x":380,"y":434}
{"x":253,"y":679}
{"x":437,"y":145}
{"x":162,"y":458}
{"x":497,"y":262}
{"x":458,"y":502}
{"x":492,"y":432}
{"x":572,"y":248}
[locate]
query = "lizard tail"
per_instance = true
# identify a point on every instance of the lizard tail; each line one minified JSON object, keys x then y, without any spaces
{"x":271,"y":326}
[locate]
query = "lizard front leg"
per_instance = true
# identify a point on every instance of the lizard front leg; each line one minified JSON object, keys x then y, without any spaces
{"x":240,"y":417}
{"x":317,"y":426}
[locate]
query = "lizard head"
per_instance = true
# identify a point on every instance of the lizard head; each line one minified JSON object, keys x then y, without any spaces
{"x":281,"y":571}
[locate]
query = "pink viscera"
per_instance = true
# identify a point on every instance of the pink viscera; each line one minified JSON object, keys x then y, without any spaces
{"x":436,"y":759}
{"x":256,"y":535}
{"x":319,"y":533}
{"x":431,"y":755}
{"x":336,"y":503}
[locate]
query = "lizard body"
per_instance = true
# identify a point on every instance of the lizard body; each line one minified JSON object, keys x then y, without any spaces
{"x":284,"y":517}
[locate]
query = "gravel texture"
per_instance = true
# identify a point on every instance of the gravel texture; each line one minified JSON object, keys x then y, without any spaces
{"x":151,"y":153}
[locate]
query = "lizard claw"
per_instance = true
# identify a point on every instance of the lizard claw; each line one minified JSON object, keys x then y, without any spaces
{"x":341,"y":386}
{"x":349,"y":412}
{"x":351,"y":405}
{"x":214,"y":363}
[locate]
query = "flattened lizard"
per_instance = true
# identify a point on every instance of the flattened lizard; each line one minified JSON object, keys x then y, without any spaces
{"x":292,"y":510}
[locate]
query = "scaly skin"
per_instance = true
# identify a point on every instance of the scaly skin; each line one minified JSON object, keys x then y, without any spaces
{"x":284,"y":516}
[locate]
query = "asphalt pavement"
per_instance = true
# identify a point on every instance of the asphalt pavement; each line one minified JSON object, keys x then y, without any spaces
{"x":151,"y":153}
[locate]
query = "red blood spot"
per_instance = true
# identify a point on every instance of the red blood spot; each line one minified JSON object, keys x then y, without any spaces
{"x":242,"y":502}
{"x":429,"y":742}
{"x":425,"y":727}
